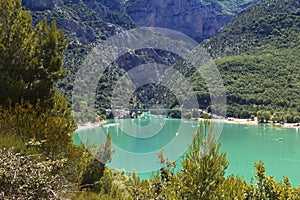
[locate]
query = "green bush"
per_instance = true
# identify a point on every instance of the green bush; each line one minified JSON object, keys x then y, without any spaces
{"x":37,"y":125}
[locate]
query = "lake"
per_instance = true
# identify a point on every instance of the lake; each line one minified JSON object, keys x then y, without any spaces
{"x":248,"y":144}
{"x":136,"y":142}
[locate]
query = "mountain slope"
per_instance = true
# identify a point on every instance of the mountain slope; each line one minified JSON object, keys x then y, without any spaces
{"x":231,"y":7}
{"x":87,"y":22}
{"x":258,"y":51}
{"x":271,"y":22}
{"x":200,"y":19}
{"x":259,"y":58}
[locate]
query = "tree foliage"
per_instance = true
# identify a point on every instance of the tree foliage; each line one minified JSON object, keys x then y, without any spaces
{"x":203,"y":167}
{"x":266,"y":187}
{"x":38,"y":125}
{"x":30,"y":57}
{"x":34,"y":113}
{"x":93,"y":164}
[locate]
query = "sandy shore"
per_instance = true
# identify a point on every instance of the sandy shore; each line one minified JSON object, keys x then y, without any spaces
{"x":241,"y":121}
{"x":255,"y":122}
{"x":290,"y":125}
{"x":89,"y":125}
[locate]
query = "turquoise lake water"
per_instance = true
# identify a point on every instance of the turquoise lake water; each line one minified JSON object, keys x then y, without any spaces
{"x":137,"y":141}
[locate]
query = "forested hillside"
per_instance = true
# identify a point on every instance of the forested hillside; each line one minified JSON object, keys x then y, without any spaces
{"x":271,"y":22}
{"x":85,"y":23}
{"x":258,"y":55}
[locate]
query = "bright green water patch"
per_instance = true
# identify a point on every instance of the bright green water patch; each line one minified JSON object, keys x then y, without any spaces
{"x":279,"y":148}
{"x":137,"y":141}
{"x":143,"y":145}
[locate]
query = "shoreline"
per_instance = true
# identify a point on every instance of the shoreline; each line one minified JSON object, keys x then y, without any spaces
{"x":91,"y":125}
{"x":255,"y":122}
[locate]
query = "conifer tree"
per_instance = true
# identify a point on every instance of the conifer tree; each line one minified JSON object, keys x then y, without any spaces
{"x":203,"y":167}
{"x":30,"y":57}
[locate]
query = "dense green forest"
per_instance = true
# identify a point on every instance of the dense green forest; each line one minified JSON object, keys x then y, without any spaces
{"x":259,"y":61}
{"x":273,"y":23}
{"x":40,"y":161}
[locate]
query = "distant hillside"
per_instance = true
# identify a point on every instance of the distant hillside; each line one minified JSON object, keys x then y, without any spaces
{"x":87,"y":22}
{"x":200,"y":19}
{"x":258,"y":51}
{"x":271,"y":22}
{"x":259,"y":57}
{"x":231,"y":7}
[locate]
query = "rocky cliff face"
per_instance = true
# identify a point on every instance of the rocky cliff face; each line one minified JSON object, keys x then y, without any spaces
{"x":199,"y":19}
{"x":193,"y":18}
{"x":84,"y":21}
{"x":111,"y":4}
{"x":42,"y":4}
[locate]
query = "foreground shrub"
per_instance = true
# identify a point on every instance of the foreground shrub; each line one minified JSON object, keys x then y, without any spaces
{"x":265,"y":187}
{"x":48,"y":128}
{"x":35,"y":129}
{"x":30,"y":177}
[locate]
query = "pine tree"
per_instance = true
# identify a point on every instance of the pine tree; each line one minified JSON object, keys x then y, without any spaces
{"x":30,"y":57}
{"x":203,"y":167}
